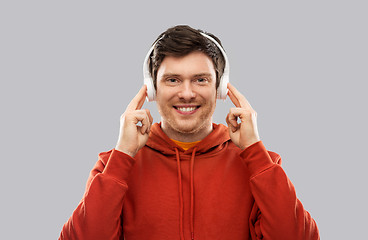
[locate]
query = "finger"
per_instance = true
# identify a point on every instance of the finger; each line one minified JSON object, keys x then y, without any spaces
{"x":233,"y":99}
{"x":145,"y":123}
{"x":150,"y":118}
{"x":142,"y":100}
{"x":149,"y":115}
{"x":244,"y":115}
{"x":235,"y":94}
{"x":138,"y":101}
{"x":230,"y":125}
{"x":233,"y":118}
{"x":137,"y":116}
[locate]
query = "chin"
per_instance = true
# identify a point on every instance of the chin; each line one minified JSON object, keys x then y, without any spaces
{"x":186,"y":127}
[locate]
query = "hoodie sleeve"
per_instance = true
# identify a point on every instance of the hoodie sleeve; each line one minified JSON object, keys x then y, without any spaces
{"x":277,"y":213}
{"x":98,"y":215}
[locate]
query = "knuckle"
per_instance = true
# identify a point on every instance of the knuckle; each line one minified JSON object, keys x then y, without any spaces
{"x":122,"y":117}
{"x":233,"y":109}
{"x":249,"y":113}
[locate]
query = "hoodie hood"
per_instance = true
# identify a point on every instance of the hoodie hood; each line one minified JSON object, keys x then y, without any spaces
{"x":159,"y":141}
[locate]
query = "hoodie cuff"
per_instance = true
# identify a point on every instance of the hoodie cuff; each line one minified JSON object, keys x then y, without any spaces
{"x":119,"y":165}
{"x":256,"y":158}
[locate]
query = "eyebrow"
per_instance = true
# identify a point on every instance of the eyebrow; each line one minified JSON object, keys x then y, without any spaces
{"x":203,"y":75}
{"x":169,"y":75}
{"x":178,"y":75}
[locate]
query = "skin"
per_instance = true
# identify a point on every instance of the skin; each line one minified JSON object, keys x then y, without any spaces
{"x":245,"y":133}
{"x":188,"y":81}
{"x":133,"y":137}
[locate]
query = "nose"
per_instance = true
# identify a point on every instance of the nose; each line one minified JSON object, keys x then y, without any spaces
{"x":186,"y":91}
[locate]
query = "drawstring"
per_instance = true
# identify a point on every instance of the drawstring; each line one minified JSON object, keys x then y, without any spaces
{"x":180,"y":196}
{"x":191,"y":195}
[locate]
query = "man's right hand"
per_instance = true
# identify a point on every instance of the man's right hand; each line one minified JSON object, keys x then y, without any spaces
{"x":133,"y":137}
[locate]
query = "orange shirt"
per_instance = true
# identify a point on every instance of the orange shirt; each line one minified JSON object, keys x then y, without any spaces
{"x":185,"y":145}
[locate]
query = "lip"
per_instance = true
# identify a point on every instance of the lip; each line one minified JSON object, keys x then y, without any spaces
{"x":186,"y":106}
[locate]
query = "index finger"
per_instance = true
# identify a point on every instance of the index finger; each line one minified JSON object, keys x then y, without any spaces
{"x":237,"y":98}
{"x":138,"y":101}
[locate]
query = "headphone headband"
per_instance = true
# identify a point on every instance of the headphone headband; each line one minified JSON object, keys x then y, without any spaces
{"x":221,"y":90}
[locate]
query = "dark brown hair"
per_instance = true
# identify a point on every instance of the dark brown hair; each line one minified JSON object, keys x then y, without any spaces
{"x":181,"y":40}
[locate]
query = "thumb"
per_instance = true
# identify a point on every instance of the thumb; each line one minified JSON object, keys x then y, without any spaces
{"x":229,"y":124}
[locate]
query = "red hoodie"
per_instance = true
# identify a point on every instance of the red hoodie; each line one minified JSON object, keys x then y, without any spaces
{"x":213,"y":190}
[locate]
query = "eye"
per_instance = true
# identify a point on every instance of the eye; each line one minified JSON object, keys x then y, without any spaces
{"x":202,"y":81}
{"x":172,"y":81}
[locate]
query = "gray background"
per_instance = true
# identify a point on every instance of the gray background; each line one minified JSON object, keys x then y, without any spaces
{"x":69,"y":68}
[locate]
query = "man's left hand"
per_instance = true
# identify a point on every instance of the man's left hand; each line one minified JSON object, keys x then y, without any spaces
{"x":245,"y":132}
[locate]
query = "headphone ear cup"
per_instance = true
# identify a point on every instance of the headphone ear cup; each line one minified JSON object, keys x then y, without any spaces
{"x":151,"y":93}
{"x":222,"y":88}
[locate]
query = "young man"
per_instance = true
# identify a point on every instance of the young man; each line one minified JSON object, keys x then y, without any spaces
{"x":186,"y":177}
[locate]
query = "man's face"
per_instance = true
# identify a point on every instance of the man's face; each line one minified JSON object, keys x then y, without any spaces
{"x":186,"y":92}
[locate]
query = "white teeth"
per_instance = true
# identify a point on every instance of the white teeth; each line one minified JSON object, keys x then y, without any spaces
{"x":186,"y":109}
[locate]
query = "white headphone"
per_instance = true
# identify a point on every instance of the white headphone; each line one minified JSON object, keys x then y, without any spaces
{"x":221,"y":90}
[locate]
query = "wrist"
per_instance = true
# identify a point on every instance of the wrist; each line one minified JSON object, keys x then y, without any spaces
{"x":249,"y":143}
{"x":126,"y":151}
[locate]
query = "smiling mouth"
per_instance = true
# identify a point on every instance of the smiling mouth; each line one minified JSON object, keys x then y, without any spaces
{"x":186,"y":109}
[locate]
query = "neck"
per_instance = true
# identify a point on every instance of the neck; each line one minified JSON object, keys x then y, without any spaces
{"x":196,"y":135}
